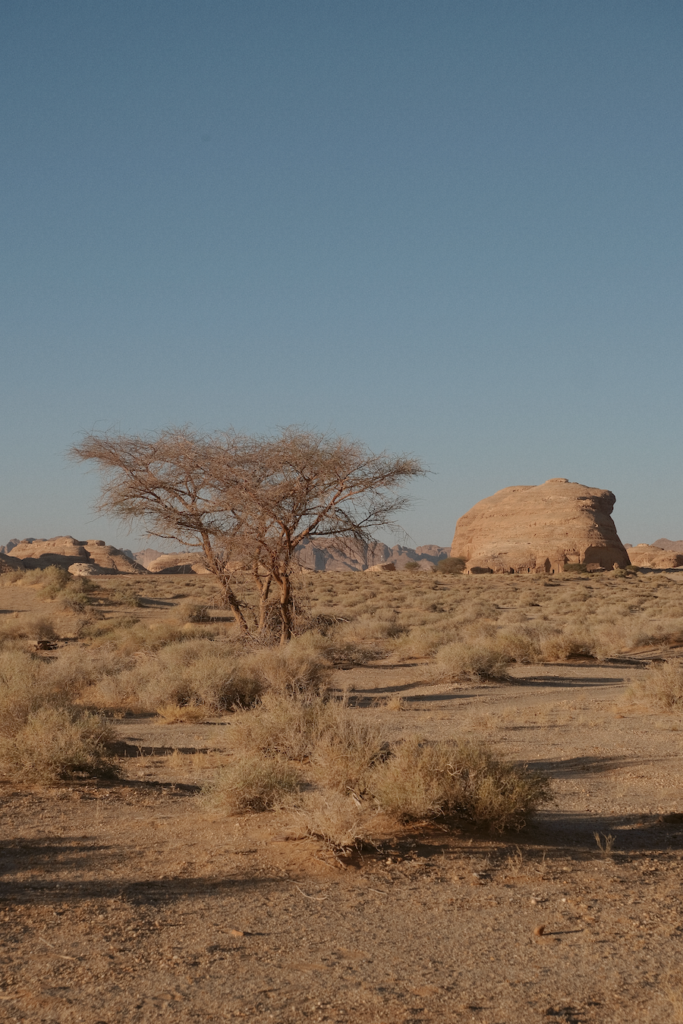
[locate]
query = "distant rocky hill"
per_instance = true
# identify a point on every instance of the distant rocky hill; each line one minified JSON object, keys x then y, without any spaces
{"x":66,"y":551}
{"x":668,"y":545}
{"x":330,"y":553}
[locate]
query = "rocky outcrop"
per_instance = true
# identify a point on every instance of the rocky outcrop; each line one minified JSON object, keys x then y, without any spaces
{"x":88,"y":569}
{"x":540,"y":529}
{"x":182,"y":562}
{"x":334,"y":554}
{"x":66,"y":551}
{"x":651,"y":556}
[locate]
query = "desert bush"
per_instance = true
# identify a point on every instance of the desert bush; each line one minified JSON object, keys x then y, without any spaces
{"x":195,"y":675}
{"x":279,"y":726}
{"x":193,"y":611}
{"x":335,"y":819}
{"x":450,"y":566}
{"x":26,"y":684}
{"x":124,"y":597}
{"x":31,"y":627}
{"x":346,"y":748}
{"x":58,"y":743}
{"x":428,"y":780}
{"x":573,"y":643}
{"x":291,"y":669}
{"x":473,"y":660}
{"x":662,"y":685}
{"x":75,"y":596}
{"x":423,"y":641}
{"x":521,"y":645}
{"x":13,"y":576}
{"x":251,"y":782}
{"x":53,"y":579}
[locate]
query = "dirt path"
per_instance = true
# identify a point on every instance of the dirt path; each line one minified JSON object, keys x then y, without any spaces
{"x":133,"y":902}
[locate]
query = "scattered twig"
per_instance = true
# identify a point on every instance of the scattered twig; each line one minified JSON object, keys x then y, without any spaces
{"x":318,"y":899}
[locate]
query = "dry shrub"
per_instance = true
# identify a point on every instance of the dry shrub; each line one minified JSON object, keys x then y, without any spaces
{"x":193,"y":611}
{"x":124,"y":597}
{"x":252,"y":782}
{"x":473,"y":660}
{"x":174,"y":713}
{"x":292,"y":669}
{"x":571,"y":644}
{"x":521,"y":645}
{"x":336,"y":819}
{"x":428,"y":780}
{"x":662,"y":686}
{"x":423,"y":641}
{"x":279,"y":726}
{"x":58,"y":743}
{"x":28,"y":683}
{"x":53,"y":579}
{"x":31,"y":627}
{"x":195,"y":674}
{"x":42,"y":735}
{"x":12,"y":576}
{"x":380,"y":626}
{"x":346,"y":748}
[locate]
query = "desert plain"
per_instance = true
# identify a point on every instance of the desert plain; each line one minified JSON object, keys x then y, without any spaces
{"x":147,"y":895}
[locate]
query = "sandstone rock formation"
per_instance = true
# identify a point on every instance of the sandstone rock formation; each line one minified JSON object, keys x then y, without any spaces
{"x":182,"y":562}
{"x":651,"y":556}
{"x":540,"y":529}
{"x":66,"y":551}
{"x":384,"y":567}
{"x":87,"y":569}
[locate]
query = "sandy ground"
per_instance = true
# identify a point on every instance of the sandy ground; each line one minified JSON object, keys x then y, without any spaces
{"x":133,"y":902}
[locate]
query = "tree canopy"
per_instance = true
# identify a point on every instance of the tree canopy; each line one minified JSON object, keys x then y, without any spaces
{"x":249,"y":501}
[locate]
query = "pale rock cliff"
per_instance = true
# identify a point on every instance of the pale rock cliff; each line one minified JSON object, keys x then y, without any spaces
{"x":540,"y":529}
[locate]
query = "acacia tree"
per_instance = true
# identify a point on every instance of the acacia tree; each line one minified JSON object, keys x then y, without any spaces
{"x":249,"y":501}
{"x":301,"y":484}
{"x":164,"y":481}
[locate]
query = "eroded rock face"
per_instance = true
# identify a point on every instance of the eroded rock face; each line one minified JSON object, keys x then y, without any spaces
{"x":650,"y":556}
{"x":182,"y":562}
{"x":66,"y":551}
{"x":540,"y":529}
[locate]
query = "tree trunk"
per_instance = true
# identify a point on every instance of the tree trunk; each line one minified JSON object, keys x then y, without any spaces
{"x":230,"y":601}
{"x":263,"y":584}
{"x":285,"y":609}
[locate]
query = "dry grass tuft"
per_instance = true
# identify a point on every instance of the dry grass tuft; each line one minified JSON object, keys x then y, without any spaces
{"x":58,"y":743}
{"x":472,"y":660}
{"x":252,"y":782}
{"x":345,"y":749}
{"x":193,"y":611}
{"x":337,"y":820}
{"x":429,"y":780}
{"x":294,"y":669}
{"x":279,"y":726}
{"x":662,"y":686}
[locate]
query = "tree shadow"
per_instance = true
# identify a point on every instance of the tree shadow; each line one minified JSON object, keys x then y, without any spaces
{"x":589,"y":763}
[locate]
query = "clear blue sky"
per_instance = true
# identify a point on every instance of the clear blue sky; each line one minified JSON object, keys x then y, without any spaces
{"x":450,"y":228}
